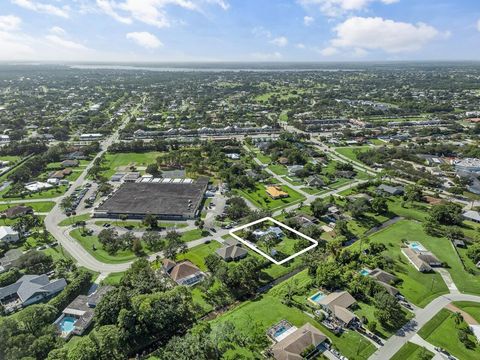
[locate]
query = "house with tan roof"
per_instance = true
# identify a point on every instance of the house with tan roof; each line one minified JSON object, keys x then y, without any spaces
{"x":231,"y":251}
{"x":276,"y":192}
{"x":183,"y":273}
{"x":422,"y":260}
{"x":337,"y":304}
{"x":303,"y":343}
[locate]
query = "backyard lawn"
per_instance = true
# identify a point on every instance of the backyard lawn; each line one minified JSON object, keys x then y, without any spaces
{"x":113,"y":278}
{"x":442,"y":331}
{"x":262,"y":200}
{"x":419,"y":288}
{"x":278,"y":169}
{"x":411,"y":351}
{"x":198,"y":253}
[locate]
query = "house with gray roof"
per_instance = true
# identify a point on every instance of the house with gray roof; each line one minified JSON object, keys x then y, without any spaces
{"x":390,"y":190}
{"x":231,"y":251}
{"x":10,"y":259}
{"x":29,"y":289}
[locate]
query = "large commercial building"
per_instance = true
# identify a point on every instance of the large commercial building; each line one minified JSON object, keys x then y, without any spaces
{"x":169,"y":201}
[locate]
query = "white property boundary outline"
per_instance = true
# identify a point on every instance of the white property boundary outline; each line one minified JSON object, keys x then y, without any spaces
{"x":256,"y":249}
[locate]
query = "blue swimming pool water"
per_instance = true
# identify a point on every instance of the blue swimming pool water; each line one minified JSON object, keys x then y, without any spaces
{"x":364,"y":272}
{"x":67,"y":324}
{"x":317,"y":297}
{"x":416,"y":246}
{"x":279,"y":331}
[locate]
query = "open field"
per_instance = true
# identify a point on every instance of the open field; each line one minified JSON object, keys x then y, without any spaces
{"x":351,"y":151}
{"x":114,"y":162}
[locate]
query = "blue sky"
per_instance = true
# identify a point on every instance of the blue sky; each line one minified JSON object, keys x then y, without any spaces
{"x":239,"y":30}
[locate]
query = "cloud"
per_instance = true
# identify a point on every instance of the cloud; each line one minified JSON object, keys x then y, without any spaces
{"x":267,"y":56}
{"x":478,"y":25}
{"x":151,"y":12}
{"x":64,"y":43}
{"x":300,"y":46}
{"x":376,"y":33}
{"x":57,"y":30}
{"x":335,"y":8}
{"x":9,"y":22}
{"x":145,"y":39}
{"x":280,"y":41}
{"x":260,"y":31}
{"x":328,"y":51}
{"x":43,"y":8}
{"x":308,"y":20}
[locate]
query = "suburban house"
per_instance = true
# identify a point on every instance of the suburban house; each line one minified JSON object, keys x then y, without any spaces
{"x":275,"y":230}
{"x":276,"y":192}
{"x":390,"y":190}
{"x":472,"y":216}
{"x":183,"y":273}
{"x":294,"y":169}
{"x":314,"y":181}
{"x":69,"y":163}
{"x":303,"y":343}
{"x":16,"y":211}
{"x":29,"y":289}
{"x":10,"y":259}
{"x":78,"y":315}
{"x":8,"y":235}
{"x":421,"y":259}
{"x":231,"y":250}
{"x":337,"y":304}
{"x":386,"y":280}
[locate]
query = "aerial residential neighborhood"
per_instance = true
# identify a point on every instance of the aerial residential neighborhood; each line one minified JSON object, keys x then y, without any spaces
{"x":226,"y":179}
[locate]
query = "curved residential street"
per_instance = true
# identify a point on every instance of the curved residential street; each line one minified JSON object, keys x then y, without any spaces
{"x":422,"y":316}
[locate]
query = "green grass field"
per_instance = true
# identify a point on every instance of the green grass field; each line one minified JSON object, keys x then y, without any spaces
{"x":261,"y":199}
{"x":115,"y":161}
{"x":46,"y":194}
{"x":351,"y":151}
{"x":470,"y":307}
{"x":43,"y":206}
{"x":411,"y":351}
{"x":113,"y":278}
{"x":88,"y":242}
{"x":198,"y":253}
{"x":73,"y":219}
{"x":442,"y":331}
{"x":278,"y":169}
{"x":419,"y":288}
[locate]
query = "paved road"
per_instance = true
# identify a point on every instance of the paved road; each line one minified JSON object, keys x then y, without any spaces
{"x":422,"y":316}
{"x":56,"y":215}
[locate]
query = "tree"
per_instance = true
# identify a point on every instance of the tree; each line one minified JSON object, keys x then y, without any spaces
{"x":152,"y":169}
{"x":388,"y":310}
{"x":153,"y":240}
{"x":237,"y":208}
{"x":174,"y":244}
{"x":83,"y":349}
{"x":150,"y":221}
{"x":446,"y":214}
{"x":413,"y":193}
{"x":359,"y":207}
{"x":66,"y":204}
{"x":109,"y":239}
{"x":137,"y":247}
{"x":108,"y":343}
{"x":319,"y":208}
{"x":380,"y":205}
{"x":35,"y":262}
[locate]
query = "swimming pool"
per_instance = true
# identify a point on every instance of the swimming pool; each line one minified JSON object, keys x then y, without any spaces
{"x":280,"y":331}
{"x":364,"y":272}
{"x":416,"y":246}
{"x":67,"y":324}
{"x":317,"y":297}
